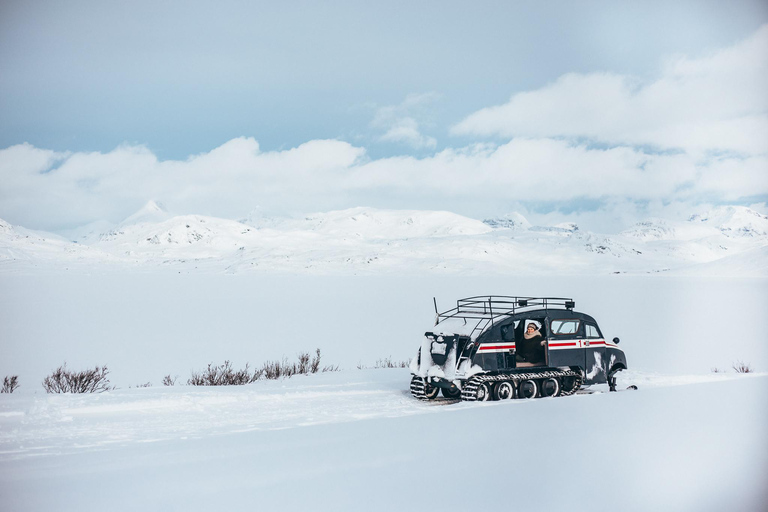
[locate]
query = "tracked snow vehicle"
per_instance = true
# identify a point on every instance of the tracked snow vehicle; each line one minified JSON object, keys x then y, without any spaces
{"x":480,"y":350}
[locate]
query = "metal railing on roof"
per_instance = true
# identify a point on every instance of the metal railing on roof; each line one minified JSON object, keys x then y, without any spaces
{"x":492,"y":306}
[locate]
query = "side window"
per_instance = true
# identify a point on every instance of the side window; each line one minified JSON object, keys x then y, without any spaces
{"x":508,"y":331}
{"x":565,"y":327}
{"x":592,"y":331}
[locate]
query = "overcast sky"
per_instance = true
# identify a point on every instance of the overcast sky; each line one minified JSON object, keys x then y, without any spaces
{"x":599,"y":112}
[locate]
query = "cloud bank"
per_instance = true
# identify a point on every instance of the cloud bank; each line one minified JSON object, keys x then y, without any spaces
{"x":697,"y":133}
{"x":712,"y":104}
{"x":49,"y":190}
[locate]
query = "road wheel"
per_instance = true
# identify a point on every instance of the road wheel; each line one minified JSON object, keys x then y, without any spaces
{"x":430,"y":391}
{"x":453,"y":395}
{"x":422,"y":390}
{"x":550,"y":387}
{"x":528,"y":389}
{"x":504,"y":391}
{"x":483,"y":392}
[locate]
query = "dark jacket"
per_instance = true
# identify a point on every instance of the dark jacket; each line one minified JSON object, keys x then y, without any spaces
{"x":531,"y":349}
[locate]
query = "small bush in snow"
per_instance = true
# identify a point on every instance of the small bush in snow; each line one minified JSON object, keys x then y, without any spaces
{"x":742,"y":367}
{"x":10,"y":383}
{"x":386,"y":362}
{"x":168,"y":381}
{"x":717,"y":370}
{"x":63,"y":380}
{"x":276,"y":369}
{"x":145,"y":385}
{"x":305,"y":365}
{"x":314,"y":366}
{"x":225,"y":375}
{"x":221,"y":375}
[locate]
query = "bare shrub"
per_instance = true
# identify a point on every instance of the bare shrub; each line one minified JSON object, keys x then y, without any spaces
{"x":225,"y":375}
{"x":386,"y":362}
{"x":305,"y":365}
{"x":145,"y":385}
{"x":314,"y":364}
{"x":742,"y":367}
{"x":221,"y":375}
{"x":715,"y":369}
{"x":10,"y":384}
{"x":274,"y":370}
{"x":63,"y":380}
{"x":168,"y":381}
{"x":314,"y":367}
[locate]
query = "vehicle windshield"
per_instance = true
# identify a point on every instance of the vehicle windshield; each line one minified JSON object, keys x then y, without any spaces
{"x":561,"y":327}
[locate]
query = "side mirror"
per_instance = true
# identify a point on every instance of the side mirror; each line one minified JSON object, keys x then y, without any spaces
{"x":616,"y":340}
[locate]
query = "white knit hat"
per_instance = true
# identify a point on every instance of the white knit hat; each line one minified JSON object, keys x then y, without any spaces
{"x":534,"y":322}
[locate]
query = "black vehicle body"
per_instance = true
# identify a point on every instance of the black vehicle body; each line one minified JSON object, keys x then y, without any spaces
{"x":479,"y":341}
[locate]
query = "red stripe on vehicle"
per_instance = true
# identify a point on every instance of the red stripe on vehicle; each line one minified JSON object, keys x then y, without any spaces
{"x":494,"y":347}
{"x":563,"y":344}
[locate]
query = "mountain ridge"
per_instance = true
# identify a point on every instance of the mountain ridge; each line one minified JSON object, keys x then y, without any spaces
{"x":369,"y":240}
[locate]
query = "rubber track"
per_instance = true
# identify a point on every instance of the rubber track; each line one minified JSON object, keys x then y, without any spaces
{"x":418,"y":388}
{"x":469,"y":390}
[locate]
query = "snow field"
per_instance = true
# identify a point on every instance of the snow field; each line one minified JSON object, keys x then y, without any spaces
{"x":145,"y":326}
{"x":355,"y":440}
{"x":47,"y":424}
{"x":162,"y":413}
{"x":687,"y":440}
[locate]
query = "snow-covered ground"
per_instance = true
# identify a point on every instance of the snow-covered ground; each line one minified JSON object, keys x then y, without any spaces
{"x":164,"y":295}
{"x":145,"y":326}
{"x":729,"y":241}
{"x":355,"y":440}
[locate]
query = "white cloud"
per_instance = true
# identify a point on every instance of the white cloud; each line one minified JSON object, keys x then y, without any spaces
{"x":707,"y":104}
{"x":226,"y":181}
{"x":232,"y":179}
{"x":711,"y":110}
{"x":548,"y":170}
{"x":730,"y":179}
{"x":400,"y":124}
{"x":407,"y":130}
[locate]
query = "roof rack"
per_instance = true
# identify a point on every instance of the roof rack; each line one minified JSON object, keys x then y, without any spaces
{"x":491,"y":306}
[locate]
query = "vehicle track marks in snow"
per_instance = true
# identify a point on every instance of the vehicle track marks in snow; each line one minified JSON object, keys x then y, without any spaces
{"x":50,"y":425}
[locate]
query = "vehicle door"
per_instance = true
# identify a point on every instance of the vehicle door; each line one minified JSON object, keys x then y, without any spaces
{"x":564,"y":345}
{"x":507,"y":335}
{"x":596,"y":362}
{"x":497,"y":348}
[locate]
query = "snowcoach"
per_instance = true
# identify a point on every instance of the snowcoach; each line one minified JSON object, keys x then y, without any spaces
{"x":481,"y":350}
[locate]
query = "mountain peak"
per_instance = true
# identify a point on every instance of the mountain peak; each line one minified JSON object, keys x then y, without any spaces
{"x":733,"y":221}
{"x":511,"y":221}
{"x":365,"y":222}
{"x":153,"y":211}
{"x":5,"y":227}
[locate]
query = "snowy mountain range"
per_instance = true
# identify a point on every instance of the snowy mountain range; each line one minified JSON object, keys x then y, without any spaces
{"x":728,"y":240}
